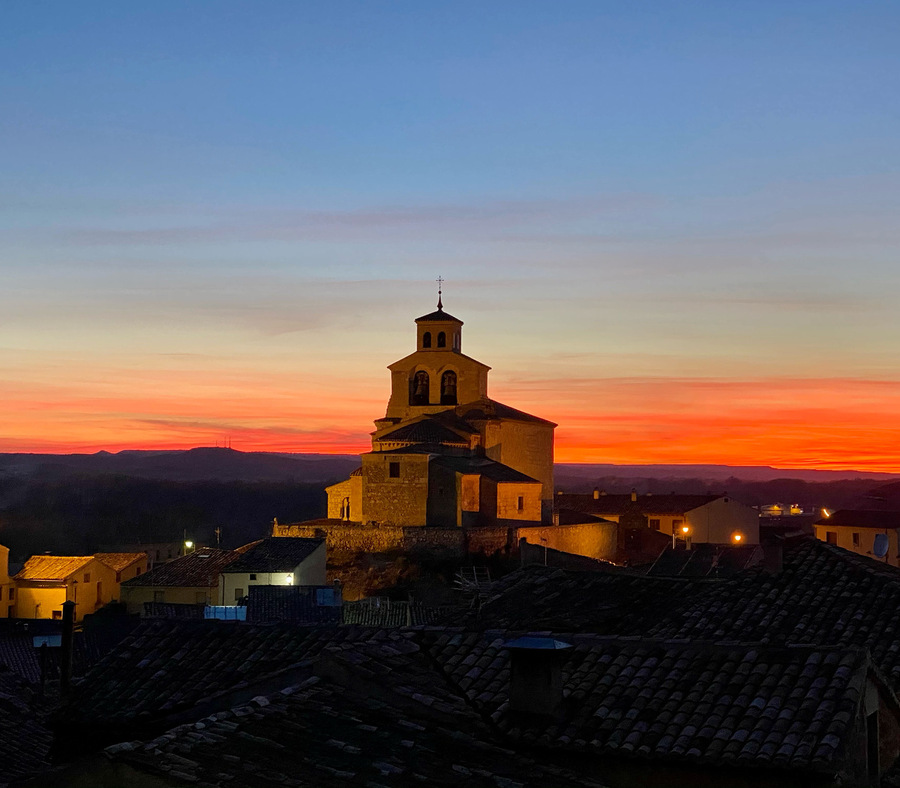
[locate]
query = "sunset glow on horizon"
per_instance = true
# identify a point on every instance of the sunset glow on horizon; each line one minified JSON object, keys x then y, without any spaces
{"x":671,"y":229}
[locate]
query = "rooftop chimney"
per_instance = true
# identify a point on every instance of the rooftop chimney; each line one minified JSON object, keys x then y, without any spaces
{"x":773,"y":553}
{"x":535,"y":675}
{"x":66,"y":644}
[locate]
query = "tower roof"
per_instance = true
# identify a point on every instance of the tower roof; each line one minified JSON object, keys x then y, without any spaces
{"x":439,"y":315}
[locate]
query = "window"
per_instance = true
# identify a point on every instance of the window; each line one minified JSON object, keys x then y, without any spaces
{"x":253,"y":577}
{"x":57,"y":615}
{"x":653,"y":524}
{"x":418,"y":389}
{"x":137,"y":571}
{"x":442,"y":339}
{"x":394,"y":470}
{"x":87,"y":577}
{"x":238,"y":594}
{"x":448,"y":388}
{"x":426,"y":339}
{"x":456,"y":340}
{"x":118,"y":577}
{"x":520,"y":503}
{"x":159,"y":596}
{"x":831,"y":537}
{"x":856,"y":540}
{"x":12,"y":593}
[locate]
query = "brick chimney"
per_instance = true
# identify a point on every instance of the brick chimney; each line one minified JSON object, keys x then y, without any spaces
{"x":535,"y":675}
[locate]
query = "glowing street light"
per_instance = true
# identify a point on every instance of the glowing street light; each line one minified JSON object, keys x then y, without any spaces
{"x":685,"y":530}
{"x":188,"y":545}
{"x":737,"y":537}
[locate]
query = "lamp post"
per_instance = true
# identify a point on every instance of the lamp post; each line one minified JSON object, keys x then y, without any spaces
{"x":685,"y":531}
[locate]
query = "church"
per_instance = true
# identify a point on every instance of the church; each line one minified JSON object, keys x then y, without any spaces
{"x":445,"y":454}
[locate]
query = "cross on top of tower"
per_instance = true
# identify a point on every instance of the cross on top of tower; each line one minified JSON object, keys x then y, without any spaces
{"x":440,"y":284}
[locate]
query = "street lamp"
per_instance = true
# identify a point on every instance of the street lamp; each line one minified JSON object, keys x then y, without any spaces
{"x":685,"y":530}
{"x":737,"y":537}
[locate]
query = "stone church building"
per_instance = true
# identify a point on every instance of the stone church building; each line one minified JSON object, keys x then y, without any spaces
{"x":445,"y":453}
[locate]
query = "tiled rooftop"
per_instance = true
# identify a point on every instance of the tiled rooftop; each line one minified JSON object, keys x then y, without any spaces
{"x":734,"y":704}
{"x":824,"y":595}
{"x":372,"y":714}
{"x":199,"y":569}
{"x":618,"y":504}
{"x":24,"y":740}
{"x":52,"y":567}
{"x":119,"y":561}
{"x":275,"y":554}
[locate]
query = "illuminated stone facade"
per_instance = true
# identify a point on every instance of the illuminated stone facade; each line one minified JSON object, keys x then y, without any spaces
{"x":445,"y":454}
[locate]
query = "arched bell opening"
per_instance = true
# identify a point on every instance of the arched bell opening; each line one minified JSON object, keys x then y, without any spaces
{"x":418,"y":388}
{"x":448,"y":388}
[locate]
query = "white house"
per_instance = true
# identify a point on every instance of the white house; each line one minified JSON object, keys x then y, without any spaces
{"x":275,"y":561}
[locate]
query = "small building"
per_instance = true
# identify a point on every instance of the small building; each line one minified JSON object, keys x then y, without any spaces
{"x":7,"y":587}
{"x":274,"y":561}
{"x":868,"y":532}
{"x":713,"y":519}
{"x":191,"y":579}
{"x":46,"y":581}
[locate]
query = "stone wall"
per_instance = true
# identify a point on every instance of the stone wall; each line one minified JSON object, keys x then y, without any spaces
{"x":400,"y":500}
{"x":593,"y":540}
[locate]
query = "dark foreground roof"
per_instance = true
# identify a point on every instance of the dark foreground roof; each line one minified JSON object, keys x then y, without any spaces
{"x":719,"y":704}
{"x":24,"y":739}
{"x":275,"y":554}
{"x":824,"y":595}
{"x":375,"y":714}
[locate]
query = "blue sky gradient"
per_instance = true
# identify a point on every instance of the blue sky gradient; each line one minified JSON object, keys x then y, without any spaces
{"x":657,"y":192}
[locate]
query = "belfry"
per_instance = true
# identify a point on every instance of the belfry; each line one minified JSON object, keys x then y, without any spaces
{"x":445,"y":454}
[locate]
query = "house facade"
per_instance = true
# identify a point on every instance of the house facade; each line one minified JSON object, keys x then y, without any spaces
{"x":868,"y":532}
{"x":275,"y":561}
{"x":709,"y":519}
{"x":191,"y":579}
{"x":90,"y":581}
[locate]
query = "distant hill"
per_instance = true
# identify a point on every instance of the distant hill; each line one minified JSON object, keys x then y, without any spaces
{"x":219,"y":464}
{"x":201,"y":464}
{"x":711,"y":473}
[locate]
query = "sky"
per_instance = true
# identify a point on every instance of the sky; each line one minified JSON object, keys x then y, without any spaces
{"x":670,"y":227}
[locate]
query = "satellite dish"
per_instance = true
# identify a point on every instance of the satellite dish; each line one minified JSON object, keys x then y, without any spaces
{"x":880,"y":547}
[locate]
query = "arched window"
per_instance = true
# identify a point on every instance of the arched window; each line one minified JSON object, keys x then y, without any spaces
{"x":418,"y":389}
{"x":456,"y":340}
{"x":448,"y":388}
{"x":426,"y":339}
{"x":442,"y":339}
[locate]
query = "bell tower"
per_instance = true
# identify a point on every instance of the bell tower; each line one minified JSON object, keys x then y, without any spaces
{"x":437,"y":376}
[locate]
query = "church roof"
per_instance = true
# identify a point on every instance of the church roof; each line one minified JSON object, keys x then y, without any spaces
{"x":491,"y":409}
{"x":427,"y":430}
{"x":438,"y":316}
{"x":485,"y":467}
